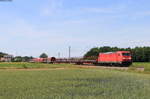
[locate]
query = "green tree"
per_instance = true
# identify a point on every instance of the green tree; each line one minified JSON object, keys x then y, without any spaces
{"x":26,"y":58}
{"x":2,"y":54}
{"x":22,"y":59}
{"x":43,"y":55}
{"x":17,"y":59}
{"x":139,"y":54}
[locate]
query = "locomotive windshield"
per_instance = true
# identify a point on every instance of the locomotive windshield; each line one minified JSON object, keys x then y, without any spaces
{"x":126,"y":54}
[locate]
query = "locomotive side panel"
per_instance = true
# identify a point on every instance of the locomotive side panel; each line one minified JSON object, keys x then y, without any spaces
{"x":115,"y":58}
{"x":108,"y":58}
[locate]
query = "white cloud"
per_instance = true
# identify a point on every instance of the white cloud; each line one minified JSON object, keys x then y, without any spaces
{"x":51,"y":7}
{"x":134,"y":43}
{"x":106,"y":10}
{"x":143,"y":13}
{"x":99,"y":10}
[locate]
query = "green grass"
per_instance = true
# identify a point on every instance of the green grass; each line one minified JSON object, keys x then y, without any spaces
{"x":73,"y":84}
{"x":141,"y":64}
{"x":145,"y":65}
{"x":20,"y":65}
{"x":23,"y":65}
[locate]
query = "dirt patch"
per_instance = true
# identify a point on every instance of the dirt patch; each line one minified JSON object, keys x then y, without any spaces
{"x":31,"y":69}
{"x":104,"y":67}
{"x":141,"y":69}
{"x":75,"y":67}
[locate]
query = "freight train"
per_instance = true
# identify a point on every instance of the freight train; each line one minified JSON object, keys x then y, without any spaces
{"x":119,"y":58}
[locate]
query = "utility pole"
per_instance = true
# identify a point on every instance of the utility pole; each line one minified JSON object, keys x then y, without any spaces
{"x":59,"y":55}
{"x":69,"y":52}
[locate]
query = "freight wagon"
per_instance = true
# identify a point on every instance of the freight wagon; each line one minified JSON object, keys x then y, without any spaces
{"x":43,"y":60}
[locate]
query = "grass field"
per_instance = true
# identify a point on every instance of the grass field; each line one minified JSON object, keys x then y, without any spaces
{"x":71,"y":82}
{"x":32,"y":65}
{"x":145,"y":65}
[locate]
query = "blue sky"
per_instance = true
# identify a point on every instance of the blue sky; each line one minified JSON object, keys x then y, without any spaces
{"x":30,"y":27}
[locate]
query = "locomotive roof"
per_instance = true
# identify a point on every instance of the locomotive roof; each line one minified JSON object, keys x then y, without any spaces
{"x":116,"y":52}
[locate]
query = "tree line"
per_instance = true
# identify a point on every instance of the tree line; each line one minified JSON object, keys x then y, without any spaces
{"x":23,"y":58}
{"x":27,"y":58}
{"x":2,"y":54}
{"x":139,"y":54}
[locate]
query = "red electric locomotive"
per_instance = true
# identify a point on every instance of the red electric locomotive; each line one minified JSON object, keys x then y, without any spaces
{"x":115,"y":58}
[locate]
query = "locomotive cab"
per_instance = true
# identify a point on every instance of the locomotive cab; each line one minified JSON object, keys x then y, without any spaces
{"x":126,"y":58}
